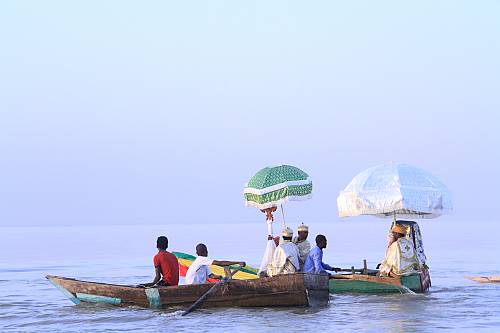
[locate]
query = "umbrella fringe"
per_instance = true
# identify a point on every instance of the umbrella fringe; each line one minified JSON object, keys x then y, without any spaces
{"x":278,"y":202}
{"x":276,"y":187}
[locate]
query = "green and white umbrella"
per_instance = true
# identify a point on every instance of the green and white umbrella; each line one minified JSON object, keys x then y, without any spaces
{"x":270,"y":188}
{"x":273,"y":186}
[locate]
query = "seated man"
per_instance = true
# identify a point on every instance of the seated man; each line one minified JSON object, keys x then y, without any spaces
{"x":400,"y":256}
{"x":166,"y":266}
{"x":199,"y":270}
{"x":285,"y":257}
{"x":314,"y":261}
{"x":302,"y":243}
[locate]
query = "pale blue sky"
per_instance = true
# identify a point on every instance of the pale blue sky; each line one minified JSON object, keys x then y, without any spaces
{"x":159,"y":112}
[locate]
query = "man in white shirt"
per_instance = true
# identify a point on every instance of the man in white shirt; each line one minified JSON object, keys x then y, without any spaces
{"x":302,"y":243}
{"x":285,"y":257}
{"x":199,"y":270}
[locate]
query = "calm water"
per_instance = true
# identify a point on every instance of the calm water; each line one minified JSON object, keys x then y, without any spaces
{"x":123,"y":254}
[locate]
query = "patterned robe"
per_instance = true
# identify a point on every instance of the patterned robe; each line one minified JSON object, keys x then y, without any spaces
{"x":400,"y":258}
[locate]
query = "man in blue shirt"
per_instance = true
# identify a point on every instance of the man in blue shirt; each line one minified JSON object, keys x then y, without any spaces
{"x":314,"y":261}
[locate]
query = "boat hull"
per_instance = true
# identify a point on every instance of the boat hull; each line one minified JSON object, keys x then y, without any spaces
{"x":368,"y":284}
{"x":282,"y":290}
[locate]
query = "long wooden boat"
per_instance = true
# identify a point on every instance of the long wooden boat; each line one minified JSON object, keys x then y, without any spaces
{"x":282,"y":290}
{"x":372,"y":284}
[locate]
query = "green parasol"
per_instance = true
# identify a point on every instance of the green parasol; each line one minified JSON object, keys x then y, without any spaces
{"x":272,"y":186}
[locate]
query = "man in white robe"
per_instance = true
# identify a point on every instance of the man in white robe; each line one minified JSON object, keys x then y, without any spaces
{"x":302,"y":243}
{"x":400,"y":256}
{"x":285,"y":257}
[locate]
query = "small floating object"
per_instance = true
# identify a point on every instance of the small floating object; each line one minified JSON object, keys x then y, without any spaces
{"x":484,"y":279}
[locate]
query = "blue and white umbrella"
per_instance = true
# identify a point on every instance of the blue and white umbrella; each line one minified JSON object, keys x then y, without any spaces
{"x":395,"y":189}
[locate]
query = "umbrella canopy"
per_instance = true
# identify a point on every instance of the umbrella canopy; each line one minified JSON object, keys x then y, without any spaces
{"x":395,"y":189}
{"x":272,"y":186}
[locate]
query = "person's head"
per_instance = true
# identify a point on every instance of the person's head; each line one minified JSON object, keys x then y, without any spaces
{"x":397,"y":235}
{"x":162,"y":243}
{"x":399,"y":231}
{"x":302,"y":232}
{"x":321,"y":241}
{"x":287,"y":234}
{"x":201,"y":250}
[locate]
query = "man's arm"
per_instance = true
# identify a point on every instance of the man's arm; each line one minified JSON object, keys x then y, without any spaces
{"x":215,"y":276}
{"x":156,"y":280}
{"x":328,"y":267}
{"x":228,"y":263}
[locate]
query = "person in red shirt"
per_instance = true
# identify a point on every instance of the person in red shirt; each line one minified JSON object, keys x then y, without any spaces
{"x":166,"y":266}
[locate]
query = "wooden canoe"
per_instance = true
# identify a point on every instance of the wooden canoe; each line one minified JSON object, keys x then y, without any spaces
{"x":282,"y":290}
{"x":370,"y":284}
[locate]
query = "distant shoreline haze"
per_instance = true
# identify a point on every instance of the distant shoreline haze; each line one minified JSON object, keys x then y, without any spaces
{"x":118,"y":112}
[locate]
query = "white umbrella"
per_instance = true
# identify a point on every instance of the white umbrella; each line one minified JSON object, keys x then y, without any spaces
{"x":395,"y":189}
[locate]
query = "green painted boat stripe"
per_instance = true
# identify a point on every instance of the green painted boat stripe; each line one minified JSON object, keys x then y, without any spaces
{"x":98,"y":299}
{"x":65,"y":292}
{"x":411,"y":282}
{"x":153,"y":296}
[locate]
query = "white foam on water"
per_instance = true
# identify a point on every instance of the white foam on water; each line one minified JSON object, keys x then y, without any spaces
{"x":406,"y":290}
{"x":177,"y":313}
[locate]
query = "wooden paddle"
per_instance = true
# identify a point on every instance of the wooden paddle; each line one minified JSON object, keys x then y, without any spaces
{"x":363,"y":270}
{"x":352,"y":270}
{"x":212,"y":290}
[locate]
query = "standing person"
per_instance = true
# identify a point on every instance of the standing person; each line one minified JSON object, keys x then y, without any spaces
{"x":166,"y":265}
{"x":314,"y":261}
{"x":285,"y":257}
{"x":400,"y":256}
{"x":302,"y":243}
{"x":199,"y":270}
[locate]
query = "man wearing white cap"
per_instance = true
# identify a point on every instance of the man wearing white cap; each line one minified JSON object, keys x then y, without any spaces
{"x":302,"y":243}
{"x":285,"y":257}
{"x":400,"y":256}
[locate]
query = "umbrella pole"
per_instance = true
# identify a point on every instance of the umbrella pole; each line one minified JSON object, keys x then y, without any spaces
{"x":394,"y":220}
{"x":283,"y":215}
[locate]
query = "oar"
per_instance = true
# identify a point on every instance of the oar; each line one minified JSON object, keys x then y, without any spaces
{"x":204,"y":296}
{"x":350,"y":270}
{"x":364,"y":270}
{"x":212,"y":290}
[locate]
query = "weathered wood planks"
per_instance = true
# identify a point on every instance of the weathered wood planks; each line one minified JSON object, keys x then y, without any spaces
{"x":282,"y":290}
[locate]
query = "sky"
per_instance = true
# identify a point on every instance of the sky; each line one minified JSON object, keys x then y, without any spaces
{"x":158,"y":112}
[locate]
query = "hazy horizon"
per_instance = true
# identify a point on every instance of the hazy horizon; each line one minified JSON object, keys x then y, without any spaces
{"x":115,"y":113}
